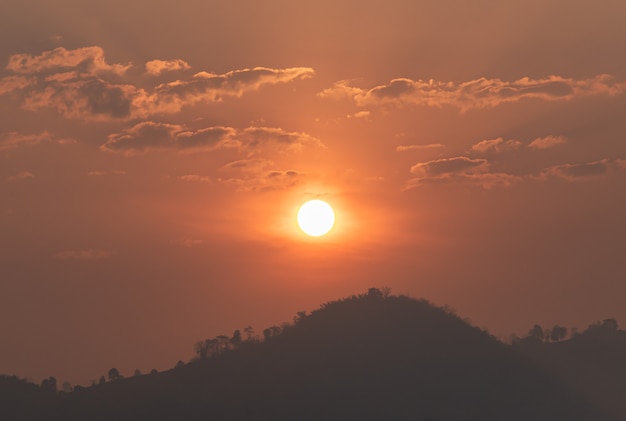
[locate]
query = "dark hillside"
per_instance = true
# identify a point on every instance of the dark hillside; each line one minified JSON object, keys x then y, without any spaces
{"x":593,"y":362}
{"x":371,"y":357}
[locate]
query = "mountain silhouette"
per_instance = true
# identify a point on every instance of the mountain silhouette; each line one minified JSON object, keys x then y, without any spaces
{"x":367,"y":357}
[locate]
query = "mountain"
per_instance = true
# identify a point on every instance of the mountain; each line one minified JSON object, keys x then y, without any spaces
{"x":367,"y":357}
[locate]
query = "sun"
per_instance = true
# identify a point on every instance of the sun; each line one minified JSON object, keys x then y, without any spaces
{"x":316,"y":218}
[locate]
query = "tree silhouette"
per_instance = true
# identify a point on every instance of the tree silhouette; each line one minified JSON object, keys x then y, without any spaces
{"x":49,"y":384}
{"x":236,"y":339}
{"x":67,"y":387}
{"x":114,"y":374}
{"x":537,"y":333}
{"x":558,"y":333}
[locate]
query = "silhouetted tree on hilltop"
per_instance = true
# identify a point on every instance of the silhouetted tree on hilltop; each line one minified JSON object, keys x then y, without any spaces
{"x":114,"y":374}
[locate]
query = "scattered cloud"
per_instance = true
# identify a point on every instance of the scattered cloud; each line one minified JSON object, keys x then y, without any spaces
{"x":496,"y":145}
{"x":22,"y":175}
{"x":171,"y":97}
{"x":439,"y":167}
{"x":406,"y":148}
{"x":584,"y":171}
{"x":478,"y":93}
{"x":80,"y":84}
{"x":248,"y":165}
{"x":360,"y":114}
{"x":157,"y":67}
{"x":88,"y":60}
{"x":547,"y":142}
{"x":84,"y":254}
{"x":459,"y":169}
{"x":152,"y":136}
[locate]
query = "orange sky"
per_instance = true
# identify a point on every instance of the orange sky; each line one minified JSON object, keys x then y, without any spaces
{"x":153,"y":155}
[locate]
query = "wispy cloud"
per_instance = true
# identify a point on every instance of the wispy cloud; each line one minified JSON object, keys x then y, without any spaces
{"x":22,"y":175}
{"x":406,"y":148}
{"x":13,"y":140}
{"x":547,"y":142}
{"x":496,"y":145}
{"x":195,"y":178}
{"x":585,"y":171}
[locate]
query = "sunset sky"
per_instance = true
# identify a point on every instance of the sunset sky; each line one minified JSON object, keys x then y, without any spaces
{"x":153,"y":155}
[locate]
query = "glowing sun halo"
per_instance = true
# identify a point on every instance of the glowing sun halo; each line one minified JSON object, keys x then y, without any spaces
{"x":316,"y":218}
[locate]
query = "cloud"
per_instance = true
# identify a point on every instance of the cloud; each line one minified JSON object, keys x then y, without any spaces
{"x":253,"y":137}
{"x":88,"y":60}
{"x":439,"y":167}
{"x":157,"y":67}
{"x":152,"y":136}
{"x":13,"y":83}
{"x":496,"y":145}
{"x":13,"y":140}
{"x":22,"y":175}
{"x":360,"y":114}
{"x":248,"y":165}
{"x":547,"y":142}
{"x":195,"y":178}
{"x":171,"y":97}
{"x":266,"y":181}
{"x":83,"y":254}
{"x":584,"y":171}
{"x":406,"y":148}
{"x":76,"y":96}
{"x":478,"y":93}
{"x":104,"y":173}
{"x":80,"y":84}
{"x":459,"y":169}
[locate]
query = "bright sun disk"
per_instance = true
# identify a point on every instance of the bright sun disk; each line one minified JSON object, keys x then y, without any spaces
{"x":316,"y":218}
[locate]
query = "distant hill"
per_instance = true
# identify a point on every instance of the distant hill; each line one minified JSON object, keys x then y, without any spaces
{"x":367,"y":357}
{"x":593,"y":362}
